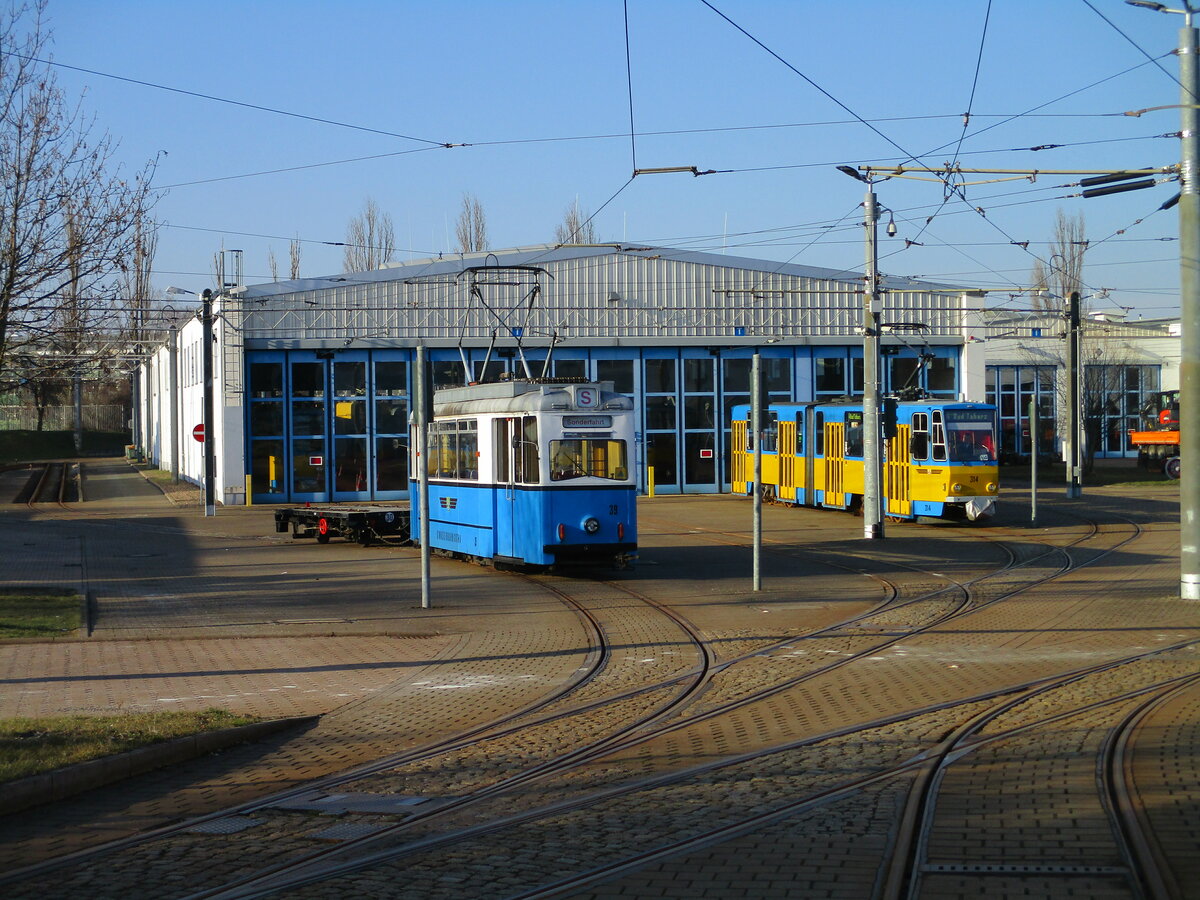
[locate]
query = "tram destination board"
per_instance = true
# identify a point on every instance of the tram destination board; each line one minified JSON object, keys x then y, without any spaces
{"x":358,"y":524}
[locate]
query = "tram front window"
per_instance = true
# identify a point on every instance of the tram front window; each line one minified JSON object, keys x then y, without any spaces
{"x":597,"y":457}
{"x":969,"y":435}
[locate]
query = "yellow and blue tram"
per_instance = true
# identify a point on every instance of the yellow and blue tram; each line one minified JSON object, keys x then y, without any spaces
{"x":939,"y":458}
{"x":530,"y":472}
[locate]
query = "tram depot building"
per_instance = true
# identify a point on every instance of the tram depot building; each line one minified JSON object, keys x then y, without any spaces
{"x":313,"y":378}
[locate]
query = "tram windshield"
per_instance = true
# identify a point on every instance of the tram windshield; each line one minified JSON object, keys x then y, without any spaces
{"x":580,"y":457}
{"x":969,"y":435}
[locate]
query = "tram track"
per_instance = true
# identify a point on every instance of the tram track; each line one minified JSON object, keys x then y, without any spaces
{"x":637,"y":735}
{"x":1138,"y":862}
{"x":51,"y":482}
{"x":666,"y":698}
{"x":541,"y":716}
{"x":418,"y":862}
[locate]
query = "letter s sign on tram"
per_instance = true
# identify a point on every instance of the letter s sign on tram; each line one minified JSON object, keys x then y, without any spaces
{"x":587,"y":397}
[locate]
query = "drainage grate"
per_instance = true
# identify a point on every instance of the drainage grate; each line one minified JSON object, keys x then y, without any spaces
{"x":1017,"y":869}
{"x":228,"y":825}
{"x":346,"y":831}
{"x":338,"y":804}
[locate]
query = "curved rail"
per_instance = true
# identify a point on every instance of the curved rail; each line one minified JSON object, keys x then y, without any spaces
{"x":649,"y":725}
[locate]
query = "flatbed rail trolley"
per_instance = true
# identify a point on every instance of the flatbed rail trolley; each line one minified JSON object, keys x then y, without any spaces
{"x":360,"y":524}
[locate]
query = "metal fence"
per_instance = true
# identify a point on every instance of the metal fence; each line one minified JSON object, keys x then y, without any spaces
{"x":96,"y":417}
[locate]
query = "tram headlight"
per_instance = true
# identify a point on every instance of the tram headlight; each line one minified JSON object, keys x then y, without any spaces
{"x":591,"y":525}
{"x":993,"y":488}
{"x":956,"y":487}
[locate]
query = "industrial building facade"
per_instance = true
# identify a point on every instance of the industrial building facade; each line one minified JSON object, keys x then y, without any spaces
{"x":313,"y":378}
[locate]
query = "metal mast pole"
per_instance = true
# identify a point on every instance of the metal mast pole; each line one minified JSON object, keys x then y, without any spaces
{"x":1075,"y":450}
{"x":210,"y":437}
{"x":756,"y":432}
{"x":872,"y":433}
{"x":1189,"y":301}
{"x":173,"y":346}
{"x":1033,"y":459}
{"x":421,"y":389}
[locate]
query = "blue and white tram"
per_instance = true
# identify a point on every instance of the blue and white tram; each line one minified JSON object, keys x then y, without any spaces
{"x":530,"y":472}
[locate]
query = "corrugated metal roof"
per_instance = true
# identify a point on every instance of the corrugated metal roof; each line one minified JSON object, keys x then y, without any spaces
{"x":601,"y":293}
{"x":545,"y":254}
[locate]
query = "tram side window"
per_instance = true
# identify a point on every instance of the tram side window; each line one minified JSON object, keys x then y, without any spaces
{"x":527,"y":451}
{"x":597,"y":457}
{"x":819,"y":431}
{"x":939,"y":436}
{"x":454,"y":449}
{"x":771,"y":431}
{"x":468,"y":450}
{"x":918,"y":445}
{"x":854,"y":434}
{"x":800,"y":434}
{"x":503,"y":450}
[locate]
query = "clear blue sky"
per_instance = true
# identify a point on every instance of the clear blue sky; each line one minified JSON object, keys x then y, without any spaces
{"x":514,"y":78}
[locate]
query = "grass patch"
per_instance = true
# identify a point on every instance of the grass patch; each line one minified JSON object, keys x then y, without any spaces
{"x":39,"y":614}
{"x":33,"y":746}
{"x":157,"y":476}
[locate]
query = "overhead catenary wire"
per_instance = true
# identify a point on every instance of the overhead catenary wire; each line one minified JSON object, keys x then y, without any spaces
{"x":226,"y":100}
{"x":997,"y":207}
{"x":1134,"y":43}
{"x":950,"y":187}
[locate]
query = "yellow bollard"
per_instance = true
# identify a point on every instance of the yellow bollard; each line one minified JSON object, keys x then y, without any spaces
{"x":249,"y":498}
{"x":649,"y":481}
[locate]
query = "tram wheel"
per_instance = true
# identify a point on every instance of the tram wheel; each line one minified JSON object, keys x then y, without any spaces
{"x":1171,"y":467}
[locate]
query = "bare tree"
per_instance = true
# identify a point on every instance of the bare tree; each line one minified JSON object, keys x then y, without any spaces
{"x":576,"y":227}
{"x":1052,"y":287}
{"x":68,"y":217}
{"x":370,"y":239}
{"x":471,"y":229}
{"x":136,"y":280}
{"x":273,"y":263}
{"x":294,"y":258}
{"x":1039,"y":288}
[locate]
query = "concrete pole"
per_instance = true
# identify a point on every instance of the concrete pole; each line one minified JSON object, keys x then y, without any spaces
{"x":174,"y":400}
{"x":872,"y":432}
{"x":77,"y":398}
{"x":756,"y":430}
{"x":1189,"y":302}
{"x":210,"y":456}
{"x":1033,"y":459}
{"x":421,"y":389}
{"x":1075,"y":448}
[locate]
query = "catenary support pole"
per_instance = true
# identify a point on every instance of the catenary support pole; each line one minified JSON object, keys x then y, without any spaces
{"x":1074,"y":432}
{"x":872,"y":432}
{"x":173,"y":350}
{"x":1189,"y":301}
{"x":421,"y":418}
{"x":210,"y":436}
{"x":756,"y":436}
{"x":1033,"y":460}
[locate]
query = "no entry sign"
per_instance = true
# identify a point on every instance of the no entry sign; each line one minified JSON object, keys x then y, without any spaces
{"x":198,"y":432}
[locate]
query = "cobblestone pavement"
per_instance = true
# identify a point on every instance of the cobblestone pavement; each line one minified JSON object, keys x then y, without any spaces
{"x":932,"y":634}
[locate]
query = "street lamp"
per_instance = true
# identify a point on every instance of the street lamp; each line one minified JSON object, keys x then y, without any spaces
{"x":1189,"y":301}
